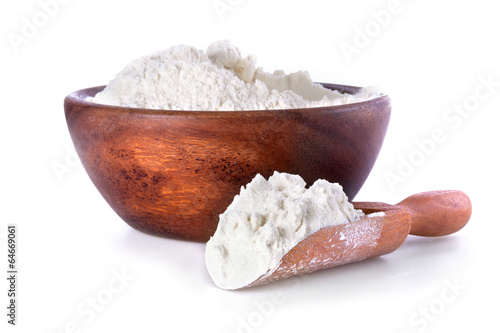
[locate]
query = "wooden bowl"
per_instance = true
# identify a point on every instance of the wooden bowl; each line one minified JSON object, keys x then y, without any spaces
{"x":171,"y":173}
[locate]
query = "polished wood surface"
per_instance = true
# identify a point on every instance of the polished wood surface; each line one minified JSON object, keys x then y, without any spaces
{"x":435,"y":213}
{"x":171,"y":173}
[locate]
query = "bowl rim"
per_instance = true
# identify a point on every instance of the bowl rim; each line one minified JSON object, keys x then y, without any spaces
{"x":78,"y":97}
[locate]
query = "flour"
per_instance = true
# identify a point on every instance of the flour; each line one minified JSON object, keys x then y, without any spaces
{"x":266,"y":220}
{"x":220,"y":79}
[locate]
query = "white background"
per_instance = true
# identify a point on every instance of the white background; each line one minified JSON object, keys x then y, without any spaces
{"x":429,"y":56}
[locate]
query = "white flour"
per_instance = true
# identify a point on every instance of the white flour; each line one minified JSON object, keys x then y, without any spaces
{"x":266,"y":220}
{"x":220,"y":79}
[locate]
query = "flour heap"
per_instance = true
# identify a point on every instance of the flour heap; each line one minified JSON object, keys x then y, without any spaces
{"x":220,"y":79}
{"x":266,"y":220}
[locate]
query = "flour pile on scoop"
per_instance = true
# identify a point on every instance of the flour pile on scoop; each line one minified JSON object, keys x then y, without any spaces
{"x":266,"y":220}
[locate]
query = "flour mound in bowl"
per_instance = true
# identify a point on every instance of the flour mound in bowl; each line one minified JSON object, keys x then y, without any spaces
{"x":218,"y":79}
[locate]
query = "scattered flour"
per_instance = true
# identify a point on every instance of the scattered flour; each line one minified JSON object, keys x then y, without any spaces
{"x":266,"y":220}
{"x":220,"y":79}
{"x":376,"y":214}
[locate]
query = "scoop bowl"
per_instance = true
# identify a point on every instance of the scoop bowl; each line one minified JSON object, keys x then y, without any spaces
{"x":171,"y":173}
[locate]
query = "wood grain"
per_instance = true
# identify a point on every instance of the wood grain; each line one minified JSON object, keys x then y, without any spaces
{"x":434,"y":213}
{"x":339,"y":245}
{"x":171,"y":173}
{"x":445,"y":212}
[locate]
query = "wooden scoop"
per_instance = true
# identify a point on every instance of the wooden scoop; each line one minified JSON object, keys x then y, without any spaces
{"x":381,"y":231}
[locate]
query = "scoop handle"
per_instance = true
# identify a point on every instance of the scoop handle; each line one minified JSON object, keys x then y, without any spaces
{"x":437,"y":213}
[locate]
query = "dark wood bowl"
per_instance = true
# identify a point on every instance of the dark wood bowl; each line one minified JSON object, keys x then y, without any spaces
{"x":171,"y":173}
